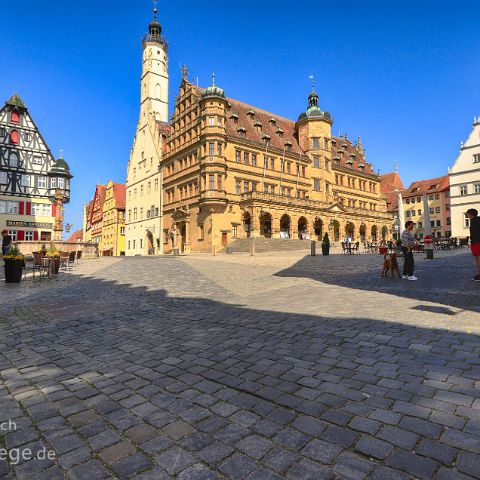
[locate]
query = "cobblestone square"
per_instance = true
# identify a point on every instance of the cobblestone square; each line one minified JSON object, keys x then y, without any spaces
{"x":280,"y":366}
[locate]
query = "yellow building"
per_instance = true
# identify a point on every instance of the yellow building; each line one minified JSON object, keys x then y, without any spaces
{"x":112,"y":241}
{"x":232,"y":171}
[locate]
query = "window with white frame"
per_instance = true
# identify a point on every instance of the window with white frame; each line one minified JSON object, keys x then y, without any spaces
{"x":61,"y":183}
{"x":46,"y":210}
{"x":25,"y":180}
{"x":12,"y":207}
{"x":463,"y":190}
{"x":29,"y":236}
{"x":466,"y":221}
{"x":476,"y":188}
{"x":3,"y":206}
{"x":13,"y":234}
{"x":42,"y":182}
{"x":476,"y":158}
{"x":3,"y":177}
{"x":316,"y":184}
{"x":437,"y":209}
{"x":37,"y":160}
{"x":316,"y":161}
{"x":36,"y":209}
{"x":53,"y":183}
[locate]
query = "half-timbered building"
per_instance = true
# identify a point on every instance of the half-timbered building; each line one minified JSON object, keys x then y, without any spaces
{"x":30,"y":177}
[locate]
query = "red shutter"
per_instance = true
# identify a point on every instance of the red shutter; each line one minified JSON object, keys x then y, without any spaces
{"x":35,"y":236}
{"x":14,"y":137}
{"x":28,"y":208}
{"x":20,"y":208}
{"x":54,"y":210}
{"x":20,"y":235}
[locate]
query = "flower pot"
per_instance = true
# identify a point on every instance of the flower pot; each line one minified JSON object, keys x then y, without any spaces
{"x":325,"y":249}
{"x":56,"y":264}
{"x":13,"y":270}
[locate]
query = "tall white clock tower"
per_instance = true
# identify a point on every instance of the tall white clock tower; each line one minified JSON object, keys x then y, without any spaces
{"x":144,"y":177}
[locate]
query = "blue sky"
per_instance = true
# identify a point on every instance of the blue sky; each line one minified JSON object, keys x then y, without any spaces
{"x":403,"y":76}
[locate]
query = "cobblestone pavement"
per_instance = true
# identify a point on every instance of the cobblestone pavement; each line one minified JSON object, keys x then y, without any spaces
{"x":238,"y":367}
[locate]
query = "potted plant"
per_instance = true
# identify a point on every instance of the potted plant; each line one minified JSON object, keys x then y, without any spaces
{"x":326,"y":245}
{"x":43,"y":250}
{"x":54,"y":254}
{"x":14,"y":263}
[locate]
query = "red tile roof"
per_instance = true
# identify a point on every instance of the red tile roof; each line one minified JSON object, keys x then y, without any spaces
{"x":119,"y":192}
{"x":76,"y":236}
{"x":268,"y":127}
{"x":343,"y":150}
{"x":391,"y":185}
{"x":432,"y":185}
{"x":391,"y":182}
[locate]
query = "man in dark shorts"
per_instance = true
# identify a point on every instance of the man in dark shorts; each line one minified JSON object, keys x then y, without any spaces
{"x":6,"y":242}
{"x":472,"y":214}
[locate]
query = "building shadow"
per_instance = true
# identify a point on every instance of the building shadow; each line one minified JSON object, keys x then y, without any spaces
{"x":226,"y":370}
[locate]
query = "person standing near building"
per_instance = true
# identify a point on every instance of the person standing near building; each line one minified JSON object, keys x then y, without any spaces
{"x":472,"y":214}
{"x":408,"y":241}
{"x":6,"y":242}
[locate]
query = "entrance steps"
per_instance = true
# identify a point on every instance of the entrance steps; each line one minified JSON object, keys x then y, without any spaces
{"x":268,"y":245}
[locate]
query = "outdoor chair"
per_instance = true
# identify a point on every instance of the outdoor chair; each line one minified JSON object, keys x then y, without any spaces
{"x":41,"y":265}
{"x":64,"y":260}
{"x":344,"y":248}
{"x":71,"y":260}
{"x":356,"y":248}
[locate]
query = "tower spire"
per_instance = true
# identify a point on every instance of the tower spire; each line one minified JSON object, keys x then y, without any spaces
{"x":213,"y":79}
{"x":312,"y":78}
{"x":154,"y":10}
{"x":396,"y":166}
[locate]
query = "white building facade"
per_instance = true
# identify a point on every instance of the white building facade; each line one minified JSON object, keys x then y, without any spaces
{"x":144,"y":177}
{"x":465,"y":182}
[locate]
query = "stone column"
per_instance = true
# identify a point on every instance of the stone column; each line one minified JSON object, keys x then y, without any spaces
{"x":255,"y":224}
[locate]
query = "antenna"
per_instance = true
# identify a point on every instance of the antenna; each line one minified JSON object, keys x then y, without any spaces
{"x":154,"y":9}
{"x":312,"y":78}
{"x":213,"y":79}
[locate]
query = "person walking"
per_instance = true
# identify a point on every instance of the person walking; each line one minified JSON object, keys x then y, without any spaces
{"x":408,"y":241}
{"x":6,"y":242}
{"x":472,"y":214}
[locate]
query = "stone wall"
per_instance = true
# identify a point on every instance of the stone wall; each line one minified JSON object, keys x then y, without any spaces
{"x":89,"y":250}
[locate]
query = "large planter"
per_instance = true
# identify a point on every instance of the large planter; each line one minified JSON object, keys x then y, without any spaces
{"x":325,"y":249}
{"x":383,"y":250}
{"x":55,"y":264}
{"x":13,"y":270}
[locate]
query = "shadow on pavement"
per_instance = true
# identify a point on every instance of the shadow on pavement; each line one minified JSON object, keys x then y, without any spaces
{"x":256,"y":386}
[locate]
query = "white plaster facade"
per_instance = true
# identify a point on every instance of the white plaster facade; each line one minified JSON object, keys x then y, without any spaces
{"x":144,"y":178}
{"x":465,"y":182}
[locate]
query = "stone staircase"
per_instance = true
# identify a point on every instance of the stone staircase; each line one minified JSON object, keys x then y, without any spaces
{"x":269,"y":245}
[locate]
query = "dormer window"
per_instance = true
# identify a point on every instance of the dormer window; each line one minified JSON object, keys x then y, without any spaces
{"x":344,"y":145}
{"x":258,"y":126}
{"x":234,"y":117}
{"x":288,"y":146}
{"x":272,"y":121}
{"x":15,"y":116}
{"x":280,"y":132}
{"x":266,"y":139}
{"x":340,"y":151}
{"x":242,"y":132}
{"x":251,"y":114}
